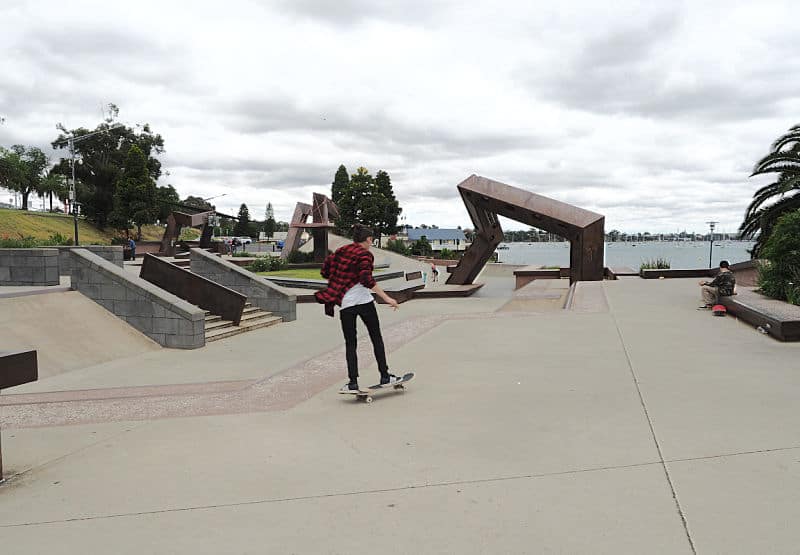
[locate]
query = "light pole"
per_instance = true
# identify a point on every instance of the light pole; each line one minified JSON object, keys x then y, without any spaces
{"x":73,"y":196}
{"x":711,"y":242}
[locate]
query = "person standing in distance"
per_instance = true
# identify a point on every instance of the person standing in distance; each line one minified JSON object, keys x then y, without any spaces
{"x":350,"y":285}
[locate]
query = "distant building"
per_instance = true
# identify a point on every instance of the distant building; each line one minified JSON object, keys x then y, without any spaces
{"x":450,"y":239}
{"x":276,"y":236}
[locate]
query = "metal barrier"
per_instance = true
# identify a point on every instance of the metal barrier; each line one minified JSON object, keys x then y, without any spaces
{"x":197,"y":290}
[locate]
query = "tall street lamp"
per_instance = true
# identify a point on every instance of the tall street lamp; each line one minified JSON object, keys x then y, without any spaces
{"x":73,"y":197}
{"x":711,"y":241}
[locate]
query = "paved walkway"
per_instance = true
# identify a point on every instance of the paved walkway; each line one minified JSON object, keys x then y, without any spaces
{"x":632,"y":425}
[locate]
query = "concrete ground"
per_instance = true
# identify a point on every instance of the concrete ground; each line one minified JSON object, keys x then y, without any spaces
{"x":630,"y":424}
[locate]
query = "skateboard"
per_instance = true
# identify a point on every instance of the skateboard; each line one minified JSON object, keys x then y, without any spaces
{"x":719,"y":310}
{"x":366,"y":394}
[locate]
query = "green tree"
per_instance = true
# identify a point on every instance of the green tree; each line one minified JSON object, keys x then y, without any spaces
{"x":421,"y":247}
{"x":53,"y":184}
{"x":242,"y":227}
{"x":167,"y":200}
{"x":779,"y":197}
{"x":779,"y":276}
{"x":198,"y":202}
{"x":341,"y":181}
{"x":386,"y":208}
{"x":269,"y":221}
{"x":23,"y":169}
{"x":100,"y":160}
{"x":135,"y":194}
{"x":369,"y":201}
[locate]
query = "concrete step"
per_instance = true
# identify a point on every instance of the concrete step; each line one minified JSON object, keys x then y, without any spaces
{"x":216,"y":322}
{"x":246,"y":325}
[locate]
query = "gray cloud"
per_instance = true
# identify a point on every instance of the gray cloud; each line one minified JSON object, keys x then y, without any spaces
{"x":653,"y":118}
{"x":352,"y":12}
{"x":352,"y":128}
{"x":634,"y":71}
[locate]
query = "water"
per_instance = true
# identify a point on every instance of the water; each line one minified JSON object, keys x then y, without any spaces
{"x":686,"y":254}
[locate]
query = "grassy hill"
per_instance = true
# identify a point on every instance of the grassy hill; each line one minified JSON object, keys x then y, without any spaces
{"x":17,"y":224}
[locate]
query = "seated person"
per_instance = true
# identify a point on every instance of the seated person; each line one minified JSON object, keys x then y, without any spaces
{"x":721,"y":286}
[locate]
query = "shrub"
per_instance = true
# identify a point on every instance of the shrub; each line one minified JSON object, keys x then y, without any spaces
{"x":28,"y":242}
{"x":297,"y":257}
{"x":447,"y":254}
{"x":421,"y":247}
{"x":779,"y":274}
{"x":655,"y":264}
{"x":398,"y":246}
{"x":58,"y":239}
{"x":267,"y":264}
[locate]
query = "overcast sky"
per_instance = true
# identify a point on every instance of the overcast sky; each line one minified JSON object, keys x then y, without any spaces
{"x":650,"y":113}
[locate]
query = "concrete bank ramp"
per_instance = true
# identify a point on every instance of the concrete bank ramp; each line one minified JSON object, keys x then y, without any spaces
{"x":68,"y":330}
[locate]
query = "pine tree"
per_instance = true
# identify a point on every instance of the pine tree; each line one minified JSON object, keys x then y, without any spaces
{"x":340,"y":183}
{"x":269,"y":221}
{"x":242,"y":227}
{"x":135,"y":193}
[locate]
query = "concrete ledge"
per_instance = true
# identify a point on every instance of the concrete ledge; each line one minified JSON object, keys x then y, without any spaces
{"x":317,"y":284}
{"x":523,"y":276}
{"x":778,"y":318}
{"x":112,"y":253}
{"x":163,"y":317}
{"x":29,"y":267}
{"x":259,"y":292}
{"x":616,"y":272}
{"x":667,"y":273}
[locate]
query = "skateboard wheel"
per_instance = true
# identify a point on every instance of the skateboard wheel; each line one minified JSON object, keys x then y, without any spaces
{"x":368,"y":399}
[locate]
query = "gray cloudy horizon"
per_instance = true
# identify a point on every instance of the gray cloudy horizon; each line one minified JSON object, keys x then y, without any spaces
{"x":652,"y":114}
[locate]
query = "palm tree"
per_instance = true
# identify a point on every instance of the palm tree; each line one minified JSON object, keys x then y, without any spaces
{"x":53,"y":184}
{"x":760,"y":217}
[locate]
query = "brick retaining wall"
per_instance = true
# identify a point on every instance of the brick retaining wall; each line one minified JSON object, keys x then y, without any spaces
{"x":29,"y":267}
{"x":163,"y":317}
{"x":111,"y":253}
{"x":259,"y":291}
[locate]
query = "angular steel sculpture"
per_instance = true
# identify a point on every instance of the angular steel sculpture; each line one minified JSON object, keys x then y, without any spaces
{"x":322,"y":211}
{"x":177,"y":221}
{"x":485,"y":199}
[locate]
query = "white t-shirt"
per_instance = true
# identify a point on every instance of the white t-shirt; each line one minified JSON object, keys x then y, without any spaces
{"x":357,"y":294}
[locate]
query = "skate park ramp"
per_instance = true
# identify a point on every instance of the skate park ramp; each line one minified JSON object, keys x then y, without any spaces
{"x":68,"y":332}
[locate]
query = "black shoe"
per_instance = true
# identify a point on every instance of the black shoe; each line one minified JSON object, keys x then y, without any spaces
{"x":389,"y":379}
{"x":352,"y":386}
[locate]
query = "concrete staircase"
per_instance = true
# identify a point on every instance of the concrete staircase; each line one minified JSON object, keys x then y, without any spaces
{"x":252,"y":318}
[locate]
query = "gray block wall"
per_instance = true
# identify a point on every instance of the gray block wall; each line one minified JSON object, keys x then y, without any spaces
{"x":29,"y":267}
{"x":111,"y":253}
{"x":259,"y":291}
{"x":163,"y":317}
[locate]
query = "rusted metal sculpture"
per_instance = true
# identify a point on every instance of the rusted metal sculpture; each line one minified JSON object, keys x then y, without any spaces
{"x":178,"y":220}
{"x":322,"y":212}
{"x":485,"y":199}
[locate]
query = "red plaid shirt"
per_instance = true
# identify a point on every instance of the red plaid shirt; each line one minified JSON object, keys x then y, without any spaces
{"x":349,"y":265}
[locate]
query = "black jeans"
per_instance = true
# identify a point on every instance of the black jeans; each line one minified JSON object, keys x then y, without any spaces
{"x":369,"y":315}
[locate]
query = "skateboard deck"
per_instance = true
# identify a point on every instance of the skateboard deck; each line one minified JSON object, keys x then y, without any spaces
{"x":366,"y":394}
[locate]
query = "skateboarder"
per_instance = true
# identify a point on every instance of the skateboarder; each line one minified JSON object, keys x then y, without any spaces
{"x":350,"y":285}
{"x":722,"y":286}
